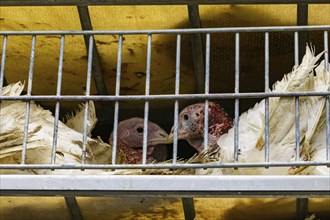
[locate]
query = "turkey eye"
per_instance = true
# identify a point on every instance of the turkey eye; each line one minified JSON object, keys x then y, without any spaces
{"x":186,"y":117}
{"x":139,"y":130}
{"x":197,"y":114}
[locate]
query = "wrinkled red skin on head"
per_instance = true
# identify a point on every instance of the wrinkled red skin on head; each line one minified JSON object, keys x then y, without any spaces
{"x":219,"y":123}
{"x":154,"y":154}
{"x":134,"y":155}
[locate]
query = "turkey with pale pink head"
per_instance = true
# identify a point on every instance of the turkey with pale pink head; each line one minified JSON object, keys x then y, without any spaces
{"x":130,"y":141}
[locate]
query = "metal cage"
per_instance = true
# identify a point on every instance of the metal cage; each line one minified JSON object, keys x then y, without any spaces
{"x":206,"y":186}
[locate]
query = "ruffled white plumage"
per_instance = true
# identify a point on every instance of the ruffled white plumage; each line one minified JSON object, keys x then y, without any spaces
{"x":282,"y":146}
{"x":40,"y":136}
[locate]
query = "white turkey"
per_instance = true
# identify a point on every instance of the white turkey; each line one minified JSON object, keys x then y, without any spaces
{"x":282,"y":135}
{"x":69,"y":139}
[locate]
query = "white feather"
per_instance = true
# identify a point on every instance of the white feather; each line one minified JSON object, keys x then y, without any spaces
{"x":281,"y":123}
{"x":76,"y":120}
{"x":40,"y":137}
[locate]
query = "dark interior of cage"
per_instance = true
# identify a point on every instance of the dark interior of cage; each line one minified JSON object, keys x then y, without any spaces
{"x":222,"y":73}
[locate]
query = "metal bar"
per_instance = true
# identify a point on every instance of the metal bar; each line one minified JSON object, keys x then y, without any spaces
{"x":328,"y":127}
{"x":297,"y":125}
{"x":174,"y":31}
{"x":88,"y":90}
{"x":177,"y":92}
{"x":326,"y":63}
{"x":116,"y":113}
{"x":302,"y":19}
{"x":161,"y":183}
{"x":296,"y":48}
{"x":297,"y":128}
{"x":266,"y":99}
{"x":188,"y":208}
{"x":326,"y":49}
{"x":197,"y":48}
{"x":236,"y":120}
{"x":86,"y":24}
{"x":301,"y":208}
{"x":29,"y":90}
{"x":3,"y":62}
{"x":164,"y":97}
{"x":149,"y":2}
{"x":146,"y":105}
{"x":170,"y":194}
{"x":207,"y":85}
{"x":164,"y":165}
{"x":72,"y":204}
{"x":57,"y":107}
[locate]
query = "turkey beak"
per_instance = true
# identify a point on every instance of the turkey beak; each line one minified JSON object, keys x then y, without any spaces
{"x":160,"y":137}
{"x":171,"y":136}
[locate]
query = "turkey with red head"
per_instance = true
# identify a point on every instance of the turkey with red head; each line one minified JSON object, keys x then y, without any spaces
{"x":191,"y":124}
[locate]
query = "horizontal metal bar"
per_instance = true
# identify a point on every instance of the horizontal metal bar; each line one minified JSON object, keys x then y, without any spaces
{"x":173,"y":31}
{"x":149,"y":2}
{"x":164,"y":165}
{"x":170,"y":194}
{"x":165,"y":185}
{"x":162,"y":97}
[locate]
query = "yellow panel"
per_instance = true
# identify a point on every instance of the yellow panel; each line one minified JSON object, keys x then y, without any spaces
{"x":163,"y":52}
{"x":108,"y":208}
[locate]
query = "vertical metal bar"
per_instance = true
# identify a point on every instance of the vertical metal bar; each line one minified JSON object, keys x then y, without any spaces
{"x":302,"y":19}
{"x":301,"y":208}
{"x":296,"y":48}
{"x":88,"y":89}
{"x":326,"y":49}
{"x":72,"y":204}
{"x":3,"y":62}
{"x":146,"y":105}
{"x":297,"y":126}
{"x":29,"y":90}
{"x":177,"y":91}
{"x":116,"y":113}
{"x":58,"y":93}
{"x":300,"y":42}
{"x":266,"y":99}
{"x":236,"y":138}
{"x":327,"y":105}
{"x":197,"y":48}
{"x":207,"y":85}
{"x":188,"y":208}
{"x":297,"y":129}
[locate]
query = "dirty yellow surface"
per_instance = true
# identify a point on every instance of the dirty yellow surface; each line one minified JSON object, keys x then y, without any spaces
{"x":108,"y":208}
{"x":163,"y":47}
